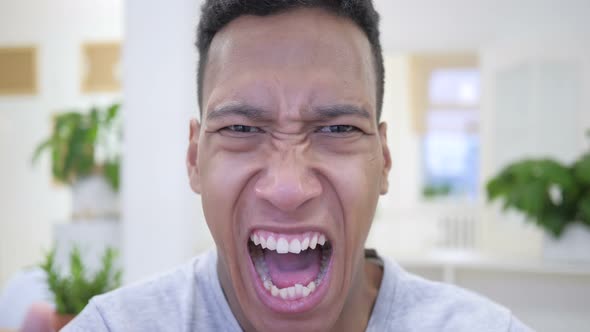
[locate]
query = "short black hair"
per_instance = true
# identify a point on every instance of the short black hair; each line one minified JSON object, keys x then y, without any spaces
{"x":216,"y":14}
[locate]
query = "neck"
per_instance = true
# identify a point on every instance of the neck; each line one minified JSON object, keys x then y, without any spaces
{"x":231,"y":298}
{"x":359,"y":305}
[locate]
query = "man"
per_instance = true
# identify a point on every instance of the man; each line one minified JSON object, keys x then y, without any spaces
{"x":290,"y":159}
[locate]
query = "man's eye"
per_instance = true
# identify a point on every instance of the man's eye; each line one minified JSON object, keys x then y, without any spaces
{"x":243,"y":129}
{"x":338,"y":129}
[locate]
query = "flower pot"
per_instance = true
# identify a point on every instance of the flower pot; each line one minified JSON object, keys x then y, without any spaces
{"x":61,"y":320}
{"x":94,"y":198}
{"x":573,"y":245}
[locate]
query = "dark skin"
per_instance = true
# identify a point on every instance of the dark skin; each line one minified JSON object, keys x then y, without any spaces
{"x":289,"y":141}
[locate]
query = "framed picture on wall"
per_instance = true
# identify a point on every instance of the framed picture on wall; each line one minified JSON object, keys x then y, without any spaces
{"x":101,"y":63}
{"x":18,"y":71}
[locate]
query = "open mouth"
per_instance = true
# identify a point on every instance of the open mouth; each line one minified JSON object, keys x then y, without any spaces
{"x":292,"y":268}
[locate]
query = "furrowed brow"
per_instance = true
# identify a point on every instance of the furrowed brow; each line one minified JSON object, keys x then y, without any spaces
{"x":331,"y":112}
{"x":240,"y":110}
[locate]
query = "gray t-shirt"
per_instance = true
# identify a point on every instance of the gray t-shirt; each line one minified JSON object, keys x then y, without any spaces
{"x":190,"y":298}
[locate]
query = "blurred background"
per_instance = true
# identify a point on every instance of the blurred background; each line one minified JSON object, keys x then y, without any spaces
{"x":472,"y":88}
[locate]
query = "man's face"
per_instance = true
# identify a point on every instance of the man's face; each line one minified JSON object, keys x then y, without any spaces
{"x":290,"y":163}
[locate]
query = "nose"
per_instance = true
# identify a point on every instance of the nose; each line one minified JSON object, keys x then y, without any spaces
{"x":288,"y":183}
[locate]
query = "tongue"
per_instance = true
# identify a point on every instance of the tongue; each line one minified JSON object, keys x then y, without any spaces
{"x":289,"y":269}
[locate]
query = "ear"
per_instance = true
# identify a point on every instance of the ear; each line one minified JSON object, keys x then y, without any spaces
{"x":191,"y":156}
{"x":386,"y":158}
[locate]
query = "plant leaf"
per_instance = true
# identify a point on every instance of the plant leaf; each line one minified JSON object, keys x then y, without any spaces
{"x":526,"y":186}
{"x":45,"y":145}
{"x":584,"y":208}
{"x":112,"y":173}
{"x":582,"y":169}
{"x":74,"y":141}
{"x":73,"y":292}
{"x":112,"y":112}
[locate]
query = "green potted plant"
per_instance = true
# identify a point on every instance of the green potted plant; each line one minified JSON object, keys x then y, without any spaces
{"x":436,"y":190}
{"x":553,"y":195}
{"x":71,"y":292}
{"x":85,"y":154}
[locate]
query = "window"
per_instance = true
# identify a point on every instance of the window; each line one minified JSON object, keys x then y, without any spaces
{"x":450,"y":92}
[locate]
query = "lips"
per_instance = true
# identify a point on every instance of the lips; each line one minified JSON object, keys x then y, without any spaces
{"x":290,"y":270}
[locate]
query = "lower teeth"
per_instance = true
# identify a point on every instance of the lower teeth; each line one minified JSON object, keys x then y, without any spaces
{"x":296,"y":291}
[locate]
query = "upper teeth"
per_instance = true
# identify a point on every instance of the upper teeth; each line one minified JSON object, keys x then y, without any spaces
{"x":287,"y":243}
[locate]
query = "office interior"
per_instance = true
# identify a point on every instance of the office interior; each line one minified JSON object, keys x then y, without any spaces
{"x":471,"y":86}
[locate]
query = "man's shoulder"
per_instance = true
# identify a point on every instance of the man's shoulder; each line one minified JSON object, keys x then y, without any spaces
{"x":165,"y":285}
{"x":167,"y":299}
{"x":436,"y":306}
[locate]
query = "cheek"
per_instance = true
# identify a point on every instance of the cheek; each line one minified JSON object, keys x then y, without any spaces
{"x":356,"y":179}
{"x":224,"y":173}
{"x":224,"y":176}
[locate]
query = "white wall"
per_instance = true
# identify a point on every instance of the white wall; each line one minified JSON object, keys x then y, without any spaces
{"x":29,"y":202}
{"x":466,"y":24}
{"x":162,"y":221}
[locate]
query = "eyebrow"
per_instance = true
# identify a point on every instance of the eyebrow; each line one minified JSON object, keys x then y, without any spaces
{"x":236,"y":109}
{"x":335,"y":111}
{"x":323,"y":113}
